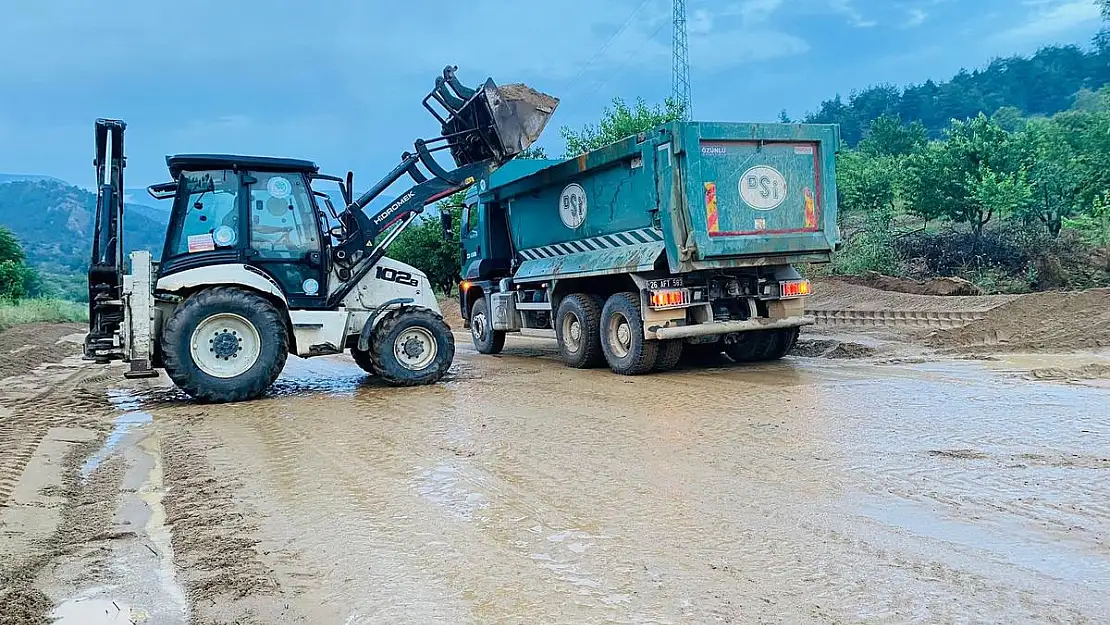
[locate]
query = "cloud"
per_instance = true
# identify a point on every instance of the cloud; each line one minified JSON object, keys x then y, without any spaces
{"x":756,"y":11}
{"x":916,"y":18}
{"x":854,"y":16}
{"x":1050,"y":18}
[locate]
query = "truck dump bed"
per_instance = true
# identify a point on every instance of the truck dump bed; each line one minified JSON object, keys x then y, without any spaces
{"x":699,"y":195}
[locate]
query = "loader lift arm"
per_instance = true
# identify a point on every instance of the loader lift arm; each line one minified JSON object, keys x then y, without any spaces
{"x":482,"y":128}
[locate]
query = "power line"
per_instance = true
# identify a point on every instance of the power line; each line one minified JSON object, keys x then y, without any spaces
{"x":630,"y":57}
{"x":574,"y":81}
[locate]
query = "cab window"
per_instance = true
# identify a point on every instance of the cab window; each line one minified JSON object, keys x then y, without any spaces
{"x":211,"y":215}
{"x":283,"y":219}
{"x":472,"y":219}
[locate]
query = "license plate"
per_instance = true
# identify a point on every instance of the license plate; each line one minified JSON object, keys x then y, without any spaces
{"x":665,"y":283}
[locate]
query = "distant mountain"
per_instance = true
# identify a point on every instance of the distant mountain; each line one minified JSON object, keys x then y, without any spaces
{"x":24,"y":178}
{"x":54,"y":222}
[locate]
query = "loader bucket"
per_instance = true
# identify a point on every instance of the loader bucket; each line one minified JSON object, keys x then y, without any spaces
{"x":490,"y":122}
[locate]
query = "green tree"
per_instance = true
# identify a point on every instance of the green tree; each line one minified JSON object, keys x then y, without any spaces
{"x":619,"y":121}
{"x":16,"y":278}
{"x":972,"y":177}
{"x":888,"y":136}
{"x":867,"y":191}
{"x":423,"y":246}
{"x":533,"y":153}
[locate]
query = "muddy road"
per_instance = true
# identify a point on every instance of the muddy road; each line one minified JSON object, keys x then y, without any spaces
{"x":817,"y":489}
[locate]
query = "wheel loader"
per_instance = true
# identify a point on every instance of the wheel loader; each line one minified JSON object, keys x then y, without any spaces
{"x":258,"y":264}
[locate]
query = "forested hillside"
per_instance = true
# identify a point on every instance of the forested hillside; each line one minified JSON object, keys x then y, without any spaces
{"x":1041,"y":85}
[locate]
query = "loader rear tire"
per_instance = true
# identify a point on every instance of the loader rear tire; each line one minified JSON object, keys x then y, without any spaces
{"x":486,"y":339}
{"x":411,"y":347}
{"x":578,"y":330}
{"x":622,"y":336}
{"x":225,"y":344}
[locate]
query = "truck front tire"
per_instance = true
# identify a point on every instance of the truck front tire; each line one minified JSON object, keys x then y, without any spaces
{"x":225,"y":344}
{"x":622,"y":336}
{"x":578,"y":330}
{"x":486,"y":339}
{"x":411,"y":347}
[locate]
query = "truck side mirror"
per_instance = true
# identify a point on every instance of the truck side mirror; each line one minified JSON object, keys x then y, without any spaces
{"x":445,"y":221}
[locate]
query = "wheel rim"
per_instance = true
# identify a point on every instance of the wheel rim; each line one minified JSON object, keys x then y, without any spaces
{"x":619,"y":335}
{"x":478,"y":326}
{"x":225,"y":345}
{"x":572,"y":332}
{"x":415,"y":348}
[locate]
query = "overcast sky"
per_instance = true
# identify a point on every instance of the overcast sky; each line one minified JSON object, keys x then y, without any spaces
{"x":341,"y":83}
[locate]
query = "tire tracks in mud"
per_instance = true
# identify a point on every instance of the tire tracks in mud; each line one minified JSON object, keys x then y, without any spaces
{"x":42,"y":397}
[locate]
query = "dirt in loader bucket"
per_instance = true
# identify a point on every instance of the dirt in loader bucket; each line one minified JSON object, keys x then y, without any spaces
{"x":521,"y":114}
{"x":491,"y":122}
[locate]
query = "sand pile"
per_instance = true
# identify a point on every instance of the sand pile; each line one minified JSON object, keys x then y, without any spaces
{"x":1052,"y":321}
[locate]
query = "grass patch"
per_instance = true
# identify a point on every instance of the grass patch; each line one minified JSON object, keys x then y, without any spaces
{"x":41,"y":311}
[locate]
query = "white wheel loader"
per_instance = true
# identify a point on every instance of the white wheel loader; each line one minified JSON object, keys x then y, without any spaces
{"x":254,"y":269}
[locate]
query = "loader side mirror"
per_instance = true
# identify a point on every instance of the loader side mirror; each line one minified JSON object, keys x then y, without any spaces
{"x":349,"y":190}
{"x":446,"y":221}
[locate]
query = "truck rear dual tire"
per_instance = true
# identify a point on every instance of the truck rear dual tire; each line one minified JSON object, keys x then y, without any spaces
{"x":763,"y":345}
{"x":578,"y":330}
{"x":411,"y":347}
{"x":486,"y":339}
{"x":225,"y":344}
{"x":622,"y":336}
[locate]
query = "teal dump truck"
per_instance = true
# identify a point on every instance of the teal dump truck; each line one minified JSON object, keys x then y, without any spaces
{"x":681,"y":238}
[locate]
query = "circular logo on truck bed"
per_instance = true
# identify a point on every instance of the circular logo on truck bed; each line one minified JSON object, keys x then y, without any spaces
{"x":572,"y":205}
{"x":763,"y":188}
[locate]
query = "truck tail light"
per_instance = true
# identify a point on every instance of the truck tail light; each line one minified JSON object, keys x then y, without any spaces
{"x":670,"y":298}
{"x":794,"y":288}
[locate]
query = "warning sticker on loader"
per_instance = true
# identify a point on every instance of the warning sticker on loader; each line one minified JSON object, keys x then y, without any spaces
{"x":201,"y":243}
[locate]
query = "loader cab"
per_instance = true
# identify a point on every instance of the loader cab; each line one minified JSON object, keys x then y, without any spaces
{"x":259,"y":212}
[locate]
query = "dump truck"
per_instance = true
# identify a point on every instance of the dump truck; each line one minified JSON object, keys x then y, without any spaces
{"x":258,"y":264}
{"x":681,"y":239}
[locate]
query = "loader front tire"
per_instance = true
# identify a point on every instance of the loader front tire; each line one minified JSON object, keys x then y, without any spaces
{"x":225,"y":344}
{"x":411,"y":347}
{"x":622,"y":336}
{"x":363,"y":360}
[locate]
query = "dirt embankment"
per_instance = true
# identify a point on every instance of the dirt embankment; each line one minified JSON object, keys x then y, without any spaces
{"x":944,"y":286}
{"x":450,"y":308}
{"x":836,"y":294}
{"x":1048,"y":322}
